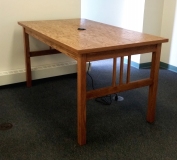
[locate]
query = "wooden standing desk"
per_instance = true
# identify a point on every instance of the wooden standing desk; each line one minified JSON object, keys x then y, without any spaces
{"x":99,"y":41}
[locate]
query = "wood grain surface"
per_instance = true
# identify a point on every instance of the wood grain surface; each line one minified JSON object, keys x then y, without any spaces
{"x":96,"y":37}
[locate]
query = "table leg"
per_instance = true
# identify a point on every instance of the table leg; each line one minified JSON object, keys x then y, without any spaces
{"x":153,"y":88}
{"x":81,"y":100}
{"x":27,"y":59}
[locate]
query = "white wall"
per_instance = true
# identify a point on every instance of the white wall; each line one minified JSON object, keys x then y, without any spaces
{"x":152,"y":22}
{"x":157,"y":17}
{"x":127,"y":14}
{"x":102,"y":10}
{"x":122,"y":13}
{"x":169,"y":30}
{"x":11,"y":42}
{"x":153,"y":14}
{"x":11,"y":38}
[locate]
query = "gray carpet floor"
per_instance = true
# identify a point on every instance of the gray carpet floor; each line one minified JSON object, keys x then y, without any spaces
{"x":44,"y":120}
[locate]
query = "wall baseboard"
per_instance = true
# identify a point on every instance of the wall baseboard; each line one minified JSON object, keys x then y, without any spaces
{"x":44,"y":71}
{"x":162,"y":66}
{"x":137,"y":65}
{"x":148,"y":65}
{"x":62,"y":68}
{"x":168,"y":67}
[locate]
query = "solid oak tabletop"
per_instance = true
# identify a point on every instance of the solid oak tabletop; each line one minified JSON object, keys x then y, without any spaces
{"x":96,"y":36}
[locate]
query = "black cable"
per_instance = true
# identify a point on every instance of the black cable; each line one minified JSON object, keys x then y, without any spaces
{"x":106,"y":100}
{"x":90,"y":76}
